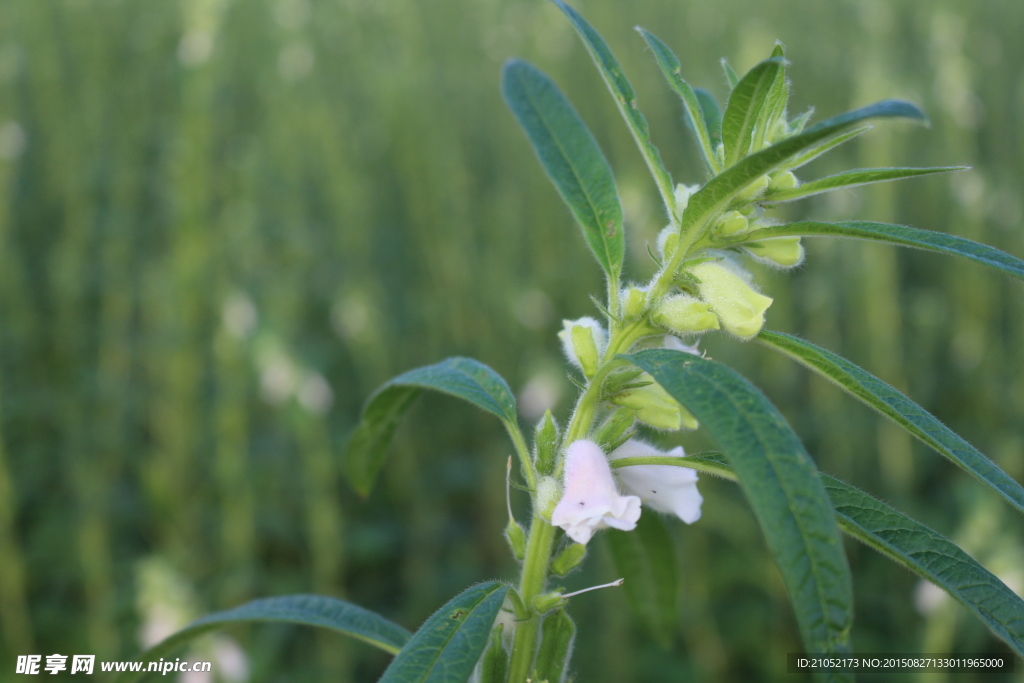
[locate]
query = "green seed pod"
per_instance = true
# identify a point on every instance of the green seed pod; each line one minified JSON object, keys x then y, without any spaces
{"x":494,"y":663}
{"x":684,"y":313}
{"x":548,"y":601}
{"x":556,"y":634}
{"x":516,"y":538}
{"x":568,"y":559}
{"x":545,"y":444}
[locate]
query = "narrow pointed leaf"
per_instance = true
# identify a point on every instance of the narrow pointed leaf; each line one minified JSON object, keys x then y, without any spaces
{"x":463,"y":378}
{"x":898,"y":408}
{"x":781,"y":483}
{"x":798,"y":124}
{"x":645,"y":558}
{"x":305,"y":610}
{"x":903,"y":236}
{"x":744,"y":108}
{"x":446,"y":648}
{"x":571,"y":157}
{"x":716,"y":195}
{"x":910,"y":544}
{"x":775,"y":102}
{"x":816,"y":151}
{"x":731,"y":78}
{"x":625,"y":99}
{"x":712,"y":114}
{"x":672,"y":70}
{"x":848,"y":179}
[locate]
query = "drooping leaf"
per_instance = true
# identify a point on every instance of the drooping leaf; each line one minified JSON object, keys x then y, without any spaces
{"x":910,"y":544}
{"x":571,"y":158}
{"x":645,"y":558}
{"x":744,"y":108}
{"x":463,"y":378}
{"x":305,"y":610}
{"x":712,"y":114}
{"x":672,"y":70}
{"x":847,"y":179}
{"x":901,"y":235}
{"x":898,"y":408}
{"x":781,"y":483}
{"x":711,"y":199}
{"x":446,"y":648}
{"x":625,"y":99}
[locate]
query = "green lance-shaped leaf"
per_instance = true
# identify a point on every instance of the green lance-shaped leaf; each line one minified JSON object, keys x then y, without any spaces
{"x":306,"y":610}
{"x":571,"y":157}
{"x":672,"y":70}
{"x":446,"y":648}
{"x":774,"y":108}
{"x":898,"y":408}
{"x":712,"y":113}
{"x":827,"y":146}
{"x":901,"y":235}
{"x":909,"y":543}
{"x":645,"y":558}
{"x":732,"y":79}
{"x":716,"y":195}
{"x":861,"y":176}
{"x":625,"y":99}
{"x":781,"y":483}
{"x":463,"y":378}
{"x":744,"y":108}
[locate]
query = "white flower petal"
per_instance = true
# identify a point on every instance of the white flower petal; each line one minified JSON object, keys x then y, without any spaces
{"x":590,"y":500}
{"x":665,"y":488}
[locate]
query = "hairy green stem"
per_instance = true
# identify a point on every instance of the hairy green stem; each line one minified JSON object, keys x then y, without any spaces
{"x":531,"y":584}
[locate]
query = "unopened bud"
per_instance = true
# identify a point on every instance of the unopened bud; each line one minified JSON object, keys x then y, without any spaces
{"x":682,"y":195}
{"x":548,"y":601}
{"x":568,"y":559}
{"x":756,"y":189}
{"x":668,"y":241}
{"x":556,"y":635}
{"x":583,"y":342}
{"x":739,"y":308}
{"x":633,"y":302}
{"x":545,"y":444}
{"x":778,"y":251}
{"x":610,"y":435}
{"x":732,"y":223}
{"x":684,"y":313}
{"x":783,"y":181}
{"x":655,"y":407}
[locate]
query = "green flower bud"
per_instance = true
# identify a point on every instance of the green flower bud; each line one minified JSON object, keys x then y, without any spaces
{"x":668,"y":241}
{"x":583,"y":342}
{"x":684,"y":313}
{"x":738,"y":306}
{"x":610,"y":435}
{"x":516,"y":538}
{"x":494,"y":663}
{"x":568,"y":559}
{"x":756,"y":189}
{"x":548,"y":495}
{"x":633,"y":302}
{"x":732,"y":223}
{"x":548,"y":601}
{"x":556,"y":635}
{"x":655,"y":407}
{"x":783,"y":181}
{"x":778,"y":251}
{"x":545,"y":444}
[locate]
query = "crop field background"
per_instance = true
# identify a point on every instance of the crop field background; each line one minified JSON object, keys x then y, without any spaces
{"x":223,"y":223}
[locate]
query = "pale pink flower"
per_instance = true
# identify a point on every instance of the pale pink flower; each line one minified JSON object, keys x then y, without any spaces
{"x":590,"y":500}
{"x":665,"y":488}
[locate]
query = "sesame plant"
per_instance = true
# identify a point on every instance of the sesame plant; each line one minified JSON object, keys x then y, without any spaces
{"x":638,"y":367}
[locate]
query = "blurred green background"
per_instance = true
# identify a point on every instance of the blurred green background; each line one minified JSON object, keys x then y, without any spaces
{"x":224,"y":222}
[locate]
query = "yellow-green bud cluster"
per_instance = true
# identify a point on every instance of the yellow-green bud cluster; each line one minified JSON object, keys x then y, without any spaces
{"x":782,"y":252}
{"x":727,"y":291}
{"x":584,"y":341}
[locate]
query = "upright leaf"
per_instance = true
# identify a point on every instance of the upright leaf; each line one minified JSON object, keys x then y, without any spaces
{"x":571,"y":157}
{"x":645,"y":558}
{"x":463,"y":378}
{"x":625,"y":99}
{"x":744,"y":107}
{"x":901,"y":235}
{"x":446,"y":648}
{"x":711,"y":199}
{"x":731,"y":78}
{"x":898,"y":408}
{"x":907,"y":542}
{"x":712,"y":114}
{"x":781,"y":483}
{"x":848,"y":179}
{"x":305,"y":610}
{"x":672,"y":70}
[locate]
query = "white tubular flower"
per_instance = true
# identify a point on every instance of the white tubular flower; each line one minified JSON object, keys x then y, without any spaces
{"x":590,"y":500}
{"x":583,"y":341}
{"x":665,"y":488}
